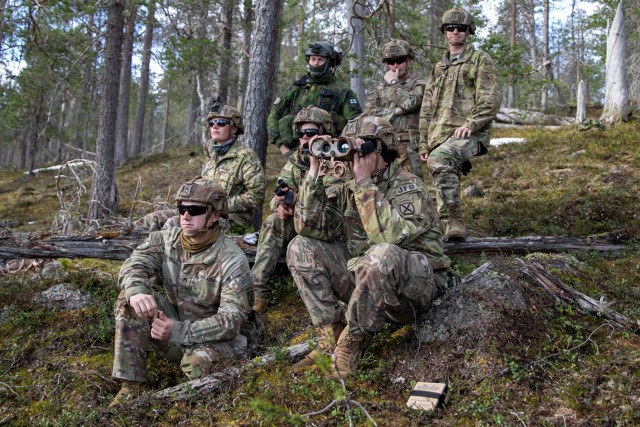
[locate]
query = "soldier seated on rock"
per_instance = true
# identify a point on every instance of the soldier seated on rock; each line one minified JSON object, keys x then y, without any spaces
{"x":368,"y":251}
{"x":207,"y":294}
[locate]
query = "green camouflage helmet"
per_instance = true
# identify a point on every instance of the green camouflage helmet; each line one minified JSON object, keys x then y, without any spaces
{"x":230,"y":113}
{"x":204,"y":191}
{"x":395,"y":48}
{"x":315,"y":115}
{"x":458,"y":16}
{"x":326,"y":49}
{"x":372,"y":127}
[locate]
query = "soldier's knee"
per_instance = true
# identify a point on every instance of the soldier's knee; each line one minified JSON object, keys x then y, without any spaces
{"x":199,"y":362}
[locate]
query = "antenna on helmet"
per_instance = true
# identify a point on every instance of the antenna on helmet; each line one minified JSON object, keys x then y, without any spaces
{"x":215,"y":104}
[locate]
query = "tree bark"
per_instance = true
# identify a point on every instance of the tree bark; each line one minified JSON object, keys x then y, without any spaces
{"x":122,"y":132}
{"x":143,"y":91}
{"x":225,"y":62}
{"x":356,"y":30}
{"x":581,"y":103}
{"x":103,"y":201}
{"x":616,"y":95}
{"x":247,"y":28}
{"x":545,"y":56}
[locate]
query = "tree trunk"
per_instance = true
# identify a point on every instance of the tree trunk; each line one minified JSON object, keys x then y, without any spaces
{"x":192,"y":112}
{"x":545,"y":56}
{"x":356,"y":30}
{"x":165,"y":117}
{"x":144,"y":79}
{"x":260,"y":89}
{"x":225,"y":63}
{"x":616,"y":95}
{"x":247,"y":28}
{"x":104,"y":200}
{"x":512,"y":45}
{"x":122,"y":132}
{"x":581,"y":103}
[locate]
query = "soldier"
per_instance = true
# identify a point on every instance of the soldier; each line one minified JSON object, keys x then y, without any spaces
{"x":319,"y":88}
{"x":373,"y":243}
{"x":278,"y":230}
{"x":398,"y":100}
{"x":235,"y":167}
{"x":460,"y":101}
{"x":207,"y":284}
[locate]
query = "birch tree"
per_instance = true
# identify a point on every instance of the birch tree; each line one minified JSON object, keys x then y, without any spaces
{"x":616,"y":96}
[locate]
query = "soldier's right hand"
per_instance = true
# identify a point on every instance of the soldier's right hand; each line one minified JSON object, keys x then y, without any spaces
{"x":144,"y":305}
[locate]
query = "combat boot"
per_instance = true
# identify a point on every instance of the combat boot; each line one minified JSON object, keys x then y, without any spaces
{"x":328,"y":335}
{"x":347,"y":355}
{"x":128,"y":391}
{"x":260,"y":305}
{"x":456,"y":230}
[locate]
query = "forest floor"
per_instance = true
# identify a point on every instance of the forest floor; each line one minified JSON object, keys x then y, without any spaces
{"x":563,"y":367}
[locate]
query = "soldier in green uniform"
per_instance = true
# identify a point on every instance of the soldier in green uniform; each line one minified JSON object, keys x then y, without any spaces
{"x":460,"y":101}
{"x":206,"y":299}
{"x":278,"y":230}
{"x":398,"y":100}
{"x":319,"y":88}
{"x":368,"y":250}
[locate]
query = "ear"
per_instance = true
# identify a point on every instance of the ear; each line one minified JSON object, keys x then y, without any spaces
{"x":215,"y":217}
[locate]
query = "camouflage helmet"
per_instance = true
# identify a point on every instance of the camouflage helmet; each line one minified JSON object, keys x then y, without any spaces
{"x":204,"y":191}
{"x":230,"y":113}
{"x":315,"y":115}
{"x":395,"y":48}
{"x":372,"y":127}
{"x":458,"y":16}
{"x":326,"y":49}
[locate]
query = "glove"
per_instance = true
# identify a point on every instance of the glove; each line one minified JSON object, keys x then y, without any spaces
{"x":465,"y":167}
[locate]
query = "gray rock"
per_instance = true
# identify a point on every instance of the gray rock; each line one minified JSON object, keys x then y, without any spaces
{"x":52,"y":269}
{"x":473,"y":191}
{"x":62,"y":297}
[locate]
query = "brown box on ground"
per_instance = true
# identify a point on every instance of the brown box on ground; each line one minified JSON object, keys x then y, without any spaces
{"x":427,"y":396}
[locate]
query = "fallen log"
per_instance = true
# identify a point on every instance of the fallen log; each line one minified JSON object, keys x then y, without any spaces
{"x":45,"y":245}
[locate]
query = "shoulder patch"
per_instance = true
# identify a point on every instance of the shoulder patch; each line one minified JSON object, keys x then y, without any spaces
{"x":277,"y":101}
{"x":406,"y":188}
{"x":353,"y":101}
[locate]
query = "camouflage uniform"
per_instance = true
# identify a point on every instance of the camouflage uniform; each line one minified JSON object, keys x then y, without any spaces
{"x":240,"y":172}
{"x":207,"y":294}
{"x":373,"y":246}
{"x":461,"y":91}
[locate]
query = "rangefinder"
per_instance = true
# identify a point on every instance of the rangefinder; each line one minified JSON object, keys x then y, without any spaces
{"x":343,"y":148}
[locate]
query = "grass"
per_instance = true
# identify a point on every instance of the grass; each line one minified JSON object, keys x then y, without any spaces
{"x":552,"y":366}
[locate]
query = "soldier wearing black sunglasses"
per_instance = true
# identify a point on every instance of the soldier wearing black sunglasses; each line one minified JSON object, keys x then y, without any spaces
{"x":461,"y":99}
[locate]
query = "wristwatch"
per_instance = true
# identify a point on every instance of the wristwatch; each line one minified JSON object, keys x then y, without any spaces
{"x":393,"y":82}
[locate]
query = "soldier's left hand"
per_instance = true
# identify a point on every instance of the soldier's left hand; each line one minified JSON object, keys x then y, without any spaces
{"x":161,"y":327}
{"x":363,"y":167}
{"x":462,"y":132}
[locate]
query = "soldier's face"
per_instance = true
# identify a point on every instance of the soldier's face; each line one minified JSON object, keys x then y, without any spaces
{"x":192,"y":225}
{"x":400,"y":68}
{"x":221,"y":133}
{"x":306,"y":136}
{"x":317,"y":61}
{"x":455,"y":37}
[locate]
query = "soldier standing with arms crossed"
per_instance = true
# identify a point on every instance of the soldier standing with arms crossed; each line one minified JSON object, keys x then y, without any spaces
{"x":460,"y":101}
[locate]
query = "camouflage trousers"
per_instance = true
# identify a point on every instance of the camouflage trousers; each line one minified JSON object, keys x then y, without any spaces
{"x":386,"y":283}
{"x":444,"y":167}
{"x":275,"y":234}
{"x":133,"y":342}
{"x":409,"y":159}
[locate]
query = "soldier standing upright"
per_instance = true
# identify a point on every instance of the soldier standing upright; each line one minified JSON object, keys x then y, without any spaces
{"x":319,"y":88}
{"x":460,"y":101}
{"x":398,"y":100}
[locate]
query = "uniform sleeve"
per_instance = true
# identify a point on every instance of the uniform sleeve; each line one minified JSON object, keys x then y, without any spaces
{"x":409,"y":100}
{"x":317,"y":214}
{"x":232,"y":312}
{"x":252,"y":176}
{"x":372,"y":105}
{"x":144,"y":263}
{"x":394,"y":221}
{"x":278,"y":110}
{"x":351,"y":107}
{"x":426,"y":111}
{"x":487,"y":96}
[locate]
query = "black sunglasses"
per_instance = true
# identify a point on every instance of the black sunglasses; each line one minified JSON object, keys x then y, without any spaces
{"x":309,"y":132}
{"x":460,"y":27}
{"x":399,"y":60}
{"x":220,"y":122}
{"x":194,"y":210}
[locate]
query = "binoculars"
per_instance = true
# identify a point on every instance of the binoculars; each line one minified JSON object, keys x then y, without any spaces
{"x":343,"y":148}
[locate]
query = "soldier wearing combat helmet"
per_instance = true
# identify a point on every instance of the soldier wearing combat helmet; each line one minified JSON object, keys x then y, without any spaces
{"x":206,"y":301}
{"x":398,"y":100}
{"x":277,"y":229}
{"x":319,"y":88}
{"x":460,"y":101}
{"x":369,"y":249}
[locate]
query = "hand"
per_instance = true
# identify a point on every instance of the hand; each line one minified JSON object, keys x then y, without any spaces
{"x":161,"y":327}
{"x":390,"y":76}
{"x":284,"y":212}
{"x":144,"y":305}
{"x":314,"y":163}
{"x":363,"y":167}
{"x":462,"y":132}
{"x":424,"y":157}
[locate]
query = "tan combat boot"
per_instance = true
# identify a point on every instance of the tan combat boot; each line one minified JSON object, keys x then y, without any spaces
{"x":260,"y":305}
{"x":328,"y":335}
{"x":347,"y":355}
{"x":130,"y":390}
{"x":456,"y":230}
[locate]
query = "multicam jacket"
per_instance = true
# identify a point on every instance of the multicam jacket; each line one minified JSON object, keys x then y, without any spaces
{"x":240,"y":173}
{"x":460,"y":92}
{"x":328,"y":93}
{"x":209,"y":289}
{"x":407,"y":95}
{"x":396,"y":209}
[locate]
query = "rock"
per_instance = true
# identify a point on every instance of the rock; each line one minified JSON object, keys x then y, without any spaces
{"x":473,"y":191}
{"x":62,"y":297}
{"x":576,"y":154}
{"x":52,"y":269}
